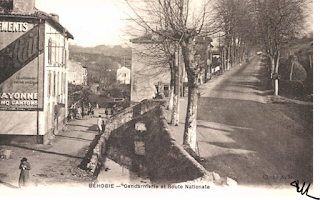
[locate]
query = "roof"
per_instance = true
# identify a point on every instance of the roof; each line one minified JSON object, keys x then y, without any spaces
{"x":123,"y":68}
{"x":38,"y":14}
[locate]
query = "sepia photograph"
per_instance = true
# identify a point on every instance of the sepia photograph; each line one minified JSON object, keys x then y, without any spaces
{"x":183,"y":98}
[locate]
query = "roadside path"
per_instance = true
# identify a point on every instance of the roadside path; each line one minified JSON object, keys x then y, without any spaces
{"x":55,"y":164}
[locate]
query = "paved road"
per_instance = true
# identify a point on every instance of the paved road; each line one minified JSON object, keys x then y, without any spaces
{"x":243,"y":136}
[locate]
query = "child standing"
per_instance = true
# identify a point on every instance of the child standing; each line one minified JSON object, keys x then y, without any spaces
{"x":24,"y":174}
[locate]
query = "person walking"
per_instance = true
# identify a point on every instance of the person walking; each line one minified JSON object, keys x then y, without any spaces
{"x":99,"y":123}
{"x":24,"y":173}
{"x":103,"y":126}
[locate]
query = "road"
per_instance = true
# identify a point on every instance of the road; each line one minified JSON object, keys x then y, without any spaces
{"x":57,"y":163}
{"x":244,"y":136}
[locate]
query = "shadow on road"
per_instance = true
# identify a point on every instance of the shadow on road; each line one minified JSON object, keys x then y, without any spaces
{"x":72,"y":138}
{"x":86,"y":159}
{"x":43,"y":151}
{"x":8,"y":185}
{"x":243,"y":137}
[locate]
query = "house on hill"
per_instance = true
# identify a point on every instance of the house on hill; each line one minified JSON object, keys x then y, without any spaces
{"x":123,"y":75}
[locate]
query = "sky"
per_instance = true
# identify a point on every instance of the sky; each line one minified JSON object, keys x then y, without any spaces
{"x":91,"y":22}
{"x":95,"y":22}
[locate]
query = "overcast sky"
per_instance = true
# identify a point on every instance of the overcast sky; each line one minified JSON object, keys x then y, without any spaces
{"x":92,"y":22}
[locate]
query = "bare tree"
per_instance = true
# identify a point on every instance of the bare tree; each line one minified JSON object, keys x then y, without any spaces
{"x":159,"y":55}
{"x":279,"y":22}
{"x":236,"y":21}
{"x":180,"y":21}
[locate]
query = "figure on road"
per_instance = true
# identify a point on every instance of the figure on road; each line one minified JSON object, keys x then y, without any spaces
{"x":99,"y":123}
{"x":24,"y":174}
{"x":103,"y":126}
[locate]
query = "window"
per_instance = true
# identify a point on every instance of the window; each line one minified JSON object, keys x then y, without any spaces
{"x":63,"y":55}
{"x":50,"y":51}
{"x":59,"y":54}
{"x":62,"y":83}
{"x":58,"y":83}
{"x":56,"y":53}
{"x":54,"y":84}
{"x":53,"y":54}
{"x":166,"y":90}
{"x":49,"y":84}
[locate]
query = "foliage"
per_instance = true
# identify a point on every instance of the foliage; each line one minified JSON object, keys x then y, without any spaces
{"x":292,"y":64}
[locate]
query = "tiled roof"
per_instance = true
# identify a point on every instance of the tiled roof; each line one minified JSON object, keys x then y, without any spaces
{"x":38,"y":14}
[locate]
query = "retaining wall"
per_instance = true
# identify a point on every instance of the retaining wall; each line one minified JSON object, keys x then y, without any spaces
{"x":158,"y":155}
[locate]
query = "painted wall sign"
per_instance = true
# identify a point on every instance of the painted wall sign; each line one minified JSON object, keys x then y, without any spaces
{"x":19,"y":70}
{"x":13,"y":27}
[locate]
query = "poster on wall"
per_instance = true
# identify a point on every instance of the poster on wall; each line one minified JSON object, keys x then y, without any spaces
{"x":21,"y":68}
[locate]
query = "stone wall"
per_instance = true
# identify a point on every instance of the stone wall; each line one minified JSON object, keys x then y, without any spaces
{"x":139,"y":139}
{"x":167,"y":161}
{"x":120,"y":120}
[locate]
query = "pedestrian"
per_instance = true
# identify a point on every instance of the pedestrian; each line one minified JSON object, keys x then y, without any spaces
{"x":24,"y":174}
{"x":103,"y":126}
{"x":99,"y":123}
{"x":79,"y":113}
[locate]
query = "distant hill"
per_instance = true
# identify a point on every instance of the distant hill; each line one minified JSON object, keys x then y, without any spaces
{"x":101,"y":61}
{"x":114,"y":51}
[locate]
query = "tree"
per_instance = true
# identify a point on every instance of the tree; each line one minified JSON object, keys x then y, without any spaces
{"x":279,"y":21}
{"x":160,"y":54}
{"x":183,"y":21}
{"x":236,"y":22}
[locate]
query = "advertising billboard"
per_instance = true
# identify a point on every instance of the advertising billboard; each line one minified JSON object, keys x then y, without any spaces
{"x":21,"y":65}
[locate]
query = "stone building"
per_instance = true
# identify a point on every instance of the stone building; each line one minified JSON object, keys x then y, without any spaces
{"x":33,"y":77}
{"x":77,"y":73}
{"x":151,"y":72}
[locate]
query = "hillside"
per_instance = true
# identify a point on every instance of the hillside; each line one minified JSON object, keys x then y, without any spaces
{"x":101,"y":61}
{"x":112,"y":51}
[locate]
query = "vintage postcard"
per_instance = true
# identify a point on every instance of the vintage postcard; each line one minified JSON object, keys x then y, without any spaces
{"x":208,"y":98}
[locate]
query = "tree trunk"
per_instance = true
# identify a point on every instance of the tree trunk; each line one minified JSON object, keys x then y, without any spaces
{"x":221,"y":60}
{"x":234,"y":52}
{"x":272,"y":71}
{"x":224,"y":60}
{"x":190,"y":134}
{"x":176,"y":94}
{"x":170,"y":106}
{"x":291,"y":71}
{"x":276,"y":81}
{"x":229,"y":58}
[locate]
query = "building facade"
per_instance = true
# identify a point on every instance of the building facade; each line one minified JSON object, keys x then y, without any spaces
{"x":147,"y":73}
{"x":77,"y":74}
{"x":123,"y":75}
{"x":151,"y":72}
{"x":33,"y":78}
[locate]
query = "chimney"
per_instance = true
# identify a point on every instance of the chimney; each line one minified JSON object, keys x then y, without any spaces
{"x":23,"y":6}
{"x":55,"y":16}
{"x":6,"y":6}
